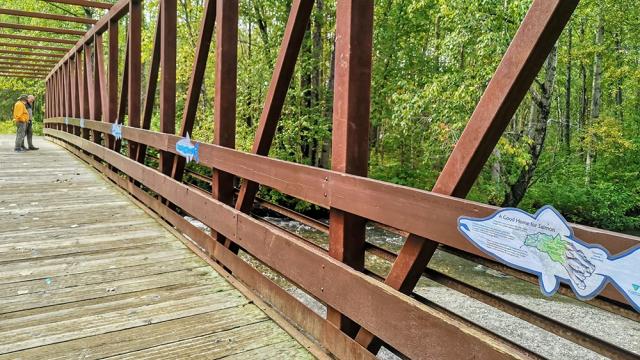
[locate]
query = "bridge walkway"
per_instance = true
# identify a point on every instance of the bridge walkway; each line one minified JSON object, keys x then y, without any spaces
{"x":86,"y":273}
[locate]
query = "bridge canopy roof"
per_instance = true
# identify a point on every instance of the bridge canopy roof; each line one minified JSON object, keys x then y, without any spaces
{"x":36,"y":34}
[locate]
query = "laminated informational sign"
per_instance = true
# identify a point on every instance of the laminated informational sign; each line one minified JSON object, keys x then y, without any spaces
{"x":543,"y":244}
{"x":116,"y":130}
{"x":188,"y":149}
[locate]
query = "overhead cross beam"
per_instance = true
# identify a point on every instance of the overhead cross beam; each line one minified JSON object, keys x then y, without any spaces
{"x":37,"y":38}
{"x":32,"y":66}
{"x":22,"y":71}
{"x":24,"y":65}
{"x":37,"y":15}
{"x":38,"y":47}
{"x":30,"y":53}
{"x":36,"y":60}
{"x":34,"y":77}
{"x":41,"y":29}
{"x":83,"y":3}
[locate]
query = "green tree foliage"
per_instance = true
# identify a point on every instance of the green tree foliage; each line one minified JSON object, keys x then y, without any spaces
{"x":432,"y":61}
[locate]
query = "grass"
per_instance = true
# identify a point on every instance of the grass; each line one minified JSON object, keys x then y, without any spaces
{"x":9,"y":127}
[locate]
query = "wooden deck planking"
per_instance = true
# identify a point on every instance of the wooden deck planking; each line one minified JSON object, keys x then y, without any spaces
{"x":85,"y":273}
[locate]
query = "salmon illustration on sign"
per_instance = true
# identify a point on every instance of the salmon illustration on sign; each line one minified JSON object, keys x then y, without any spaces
{"x":188,"y":149}
{"x":543,"y":244}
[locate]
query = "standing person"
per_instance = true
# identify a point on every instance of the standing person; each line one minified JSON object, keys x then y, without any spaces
{"x":29,"y":129}
{"x":21,"y":117}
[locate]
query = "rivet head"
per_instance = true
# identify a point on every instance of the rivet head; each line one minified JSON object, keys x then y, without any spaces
{"x":321,"y":289}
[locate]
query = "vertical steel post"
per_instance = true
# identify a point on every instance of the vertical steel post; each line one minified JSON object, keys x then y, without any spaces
{"x":112,"y":80}
{"x":225,"y":97}
{"x":207,"y":26}
{"x":168,"y":78}
{"x":350,"y":138}
{"x":134,"y":68}
{"x":84,"y":78}
{"x":97,"y":82}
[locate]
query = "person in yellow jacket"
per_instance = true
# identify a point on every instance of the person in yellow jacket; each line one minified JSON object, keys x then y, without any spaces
{"x":21,"y":117}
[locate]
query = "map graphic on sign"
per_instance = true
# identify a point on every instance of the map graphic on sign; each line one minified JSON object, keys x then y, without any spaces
{"x":543,"y":244}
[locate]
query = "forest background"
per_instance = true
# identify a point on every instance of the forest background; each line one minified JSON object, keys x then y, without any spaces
{"x":574,"y":143}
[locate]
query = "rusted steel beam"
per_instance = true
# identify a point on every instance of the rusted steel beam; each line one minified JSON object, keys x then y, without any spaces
{"x":35,"y":47}
{"x":98,"y":84}
{"x":117,"y":11}
{"x":37,"y":15}
{"x":41,"y":29}
{"x":67,"y":87}
{"x":85,"y":111}
{"x":345,"y":289}
{"x":76,"y":84}
{"x":350,"y":134}
{"x":27,"y":59}
{"x":207,"y":25}
{"x":24,"y":65}
{"x":124,"y":91}
{"x":73,"y":85}
{"x":83,"y":3}
{"x":152,"y":85}
{"x":59,"y":90}
{"x":531,"y":45}
{"x":39,"y":77}
{"x":135,"y":67}
{"x":112,"y":80}
{"x":225,"y":96}
{"x":8,"y":70}
{"x":168,"y":18}
{"x":280,"y":81}
{"x":100,"y":80}
{"x":88,"y":78}
{"x":30,"y":53}
{"x":37,"y":38}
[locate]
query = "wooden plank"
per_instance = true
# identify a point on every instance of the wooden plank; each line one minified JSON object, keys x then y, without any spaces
{"x":144,"y":337}
{"x":70,"y":286}
{"x":98,"y":277}
{"x":222,"y":344}
{"x":23,"y":338}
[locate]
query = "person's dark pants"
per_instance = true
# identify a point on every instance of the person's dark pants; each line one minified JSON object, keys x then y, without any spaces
{"x":29,"y":135}
{"x":21,"y":128}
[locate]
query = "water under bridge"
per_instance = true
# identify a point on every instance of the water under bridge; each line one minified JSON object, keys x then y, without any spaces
{"x":112,"y":247}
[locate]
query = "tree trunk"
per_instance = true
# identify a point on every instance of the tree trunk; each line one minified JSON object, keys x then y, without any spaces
{"x":537,"y":132}
{"x":596,"y":97}
{"x":582,"y":120}
{"x":326,"y":145}
{"x":619,"y":109}
{"x":566,"y":124}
